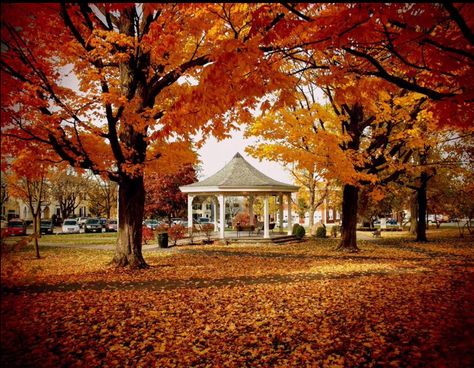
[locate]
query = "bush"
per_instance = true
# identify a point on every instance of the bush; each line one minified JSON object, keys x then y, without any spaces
{"x":336,"y":229}
{"x":147,"y":234}
{"x":176,"y":232}
{"x":242,"y":219}
{"x":207,"y":229}
{"x":298,"y":231}
{"x":295,"y":226}
{"x":321,"y":232}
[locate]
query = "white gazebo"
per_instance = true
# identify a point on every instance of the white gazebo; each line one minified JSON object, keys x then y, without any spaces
{"x":239,"y":178}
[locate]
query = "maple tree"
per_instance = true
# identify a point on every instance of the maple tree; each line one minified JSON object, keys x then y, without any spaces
{"x":442,"y":155}
{"x":119,"y":89}
{"x":313,"y":191}
{"x":28,"y":180}
{"x":364,"y":134}
{"x":426,"y":48}
{"x":163,"y":196}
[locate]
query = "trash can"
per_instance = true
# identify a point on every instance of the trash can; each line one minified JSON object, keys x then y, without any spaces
{"x":163,"y":240}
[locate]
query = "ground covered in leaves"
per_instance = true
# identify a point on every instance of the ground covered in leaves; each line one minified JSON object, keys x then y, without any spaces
{"x":397,"y":303}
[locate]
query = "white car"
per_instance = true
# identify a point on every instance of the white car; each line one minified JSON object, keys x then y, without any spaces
{"x":70,"y":226}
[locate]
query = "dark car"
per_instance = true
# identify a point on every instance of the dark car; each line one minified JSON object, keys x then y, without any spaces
{"x":103,"y":221}
{"x":46,"y":226}
{"x":93,"y":225}
{"x":16,"y":227}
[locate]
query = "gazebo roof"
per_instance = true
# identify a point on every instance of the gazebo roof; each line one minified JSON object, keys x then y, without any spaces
{"x":238,"y":176}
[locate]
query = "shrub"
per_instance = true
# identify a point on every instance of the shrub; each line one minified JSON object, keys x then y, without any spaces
{"x":242,"y":218}
{"x":147,"y":234}
{"x":298,"y":231}
{"x":295,"y":226}
{"x":207,"y":229}
{"x":321,"y":232}
{"x":176,"y":232}
{"x":335,"y":230}
{"x":162,"y":228}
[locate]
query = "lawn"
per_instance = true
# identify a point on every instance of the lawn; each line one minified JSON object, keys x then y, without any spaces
{"x":396,"y":303}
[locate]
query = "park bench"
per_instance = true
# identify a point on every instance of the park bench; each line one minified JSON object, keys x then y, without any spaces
{"x":240,"y":228}
{"x":261,"y":225}
{"x":377,"y":233}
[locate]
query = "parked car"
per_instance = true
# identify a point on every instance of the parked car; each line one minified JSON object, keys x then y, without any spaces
{"x":16,"y":227}
{"x":70,"y":226}
{"x":151,"y":223}
{"x":103,"y":221}
{"x":202,"y":220}
{"x":93,"y":225}
{"x":111,"y":225}
{"x":47,"y":226}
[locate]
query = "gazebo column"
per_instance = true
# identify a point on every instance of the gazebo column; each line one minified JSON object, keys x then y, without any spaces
{"x":266,"y":227}
{"x":251,"y":199}
{"x":190,"y":212}
{"x":280,"y":210}
{"x":222,"y":215}
{"x":214,"y":212}
{"x":290,"y":220}
{"x":324,"y":215}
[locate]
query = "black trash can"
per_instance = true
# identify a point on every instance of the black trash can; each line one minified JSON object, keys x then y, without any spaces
{"x":163,"y":240}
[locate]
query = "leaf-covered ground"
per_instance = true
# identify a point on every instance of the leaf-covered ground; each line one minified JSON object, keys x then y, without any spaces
{"x":395,"y":304}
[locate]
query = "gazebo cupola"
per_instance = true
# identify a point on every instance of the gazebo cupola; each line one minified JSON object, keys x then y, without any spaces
{"x":239,"y":178}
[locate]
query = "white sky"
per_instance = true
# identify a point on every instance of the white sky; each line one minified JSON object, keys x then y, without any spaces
{"x":214,"y":155}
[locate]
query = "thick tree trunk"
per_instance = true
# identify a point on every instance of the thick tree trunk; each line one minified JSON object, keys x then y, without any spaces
{"x":422,"y":203}
{"x":128,"y":251}
{"x":349,"y":219}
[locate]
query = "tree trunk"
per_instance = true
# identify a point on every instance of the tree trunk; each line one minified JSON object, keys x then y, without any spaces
{"x":36,"y":232}
{"x":422,"y":203}
{"x":311,"y":212}
{"x":128,"y":251}
{"x":349,"y":219}
{"x":414,"y":213}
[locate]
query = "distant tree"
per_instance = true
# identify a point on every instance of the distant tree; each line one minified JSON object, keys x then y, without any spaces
{"x":3,"y":191}
{"x":67,"y":189}
{"x":28,"y":180}
{"x":163,"y":196}
{"x":102,"y":196}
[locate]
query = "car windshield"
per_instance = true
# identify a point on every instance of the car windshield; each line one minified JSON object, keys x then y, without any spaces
{"x":70,"y":222}
{"x":45,"y":222}
{"x":16,"y":224}
{"x":113,"y":222}
{"x":151,"y":221}
{"x":92,"y":222}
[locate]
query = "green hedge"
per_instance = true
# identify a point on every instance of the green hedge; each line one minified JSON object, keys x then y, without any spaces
{"x":298,"y":231}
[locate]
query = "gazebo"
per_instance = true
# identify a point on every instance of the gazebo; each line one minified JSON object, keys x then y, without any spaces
{"x":239,"y":178}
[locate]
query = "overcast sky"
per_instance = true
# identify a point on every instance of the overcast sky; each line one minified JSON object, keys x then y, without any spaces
{"x":214,"y":155}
